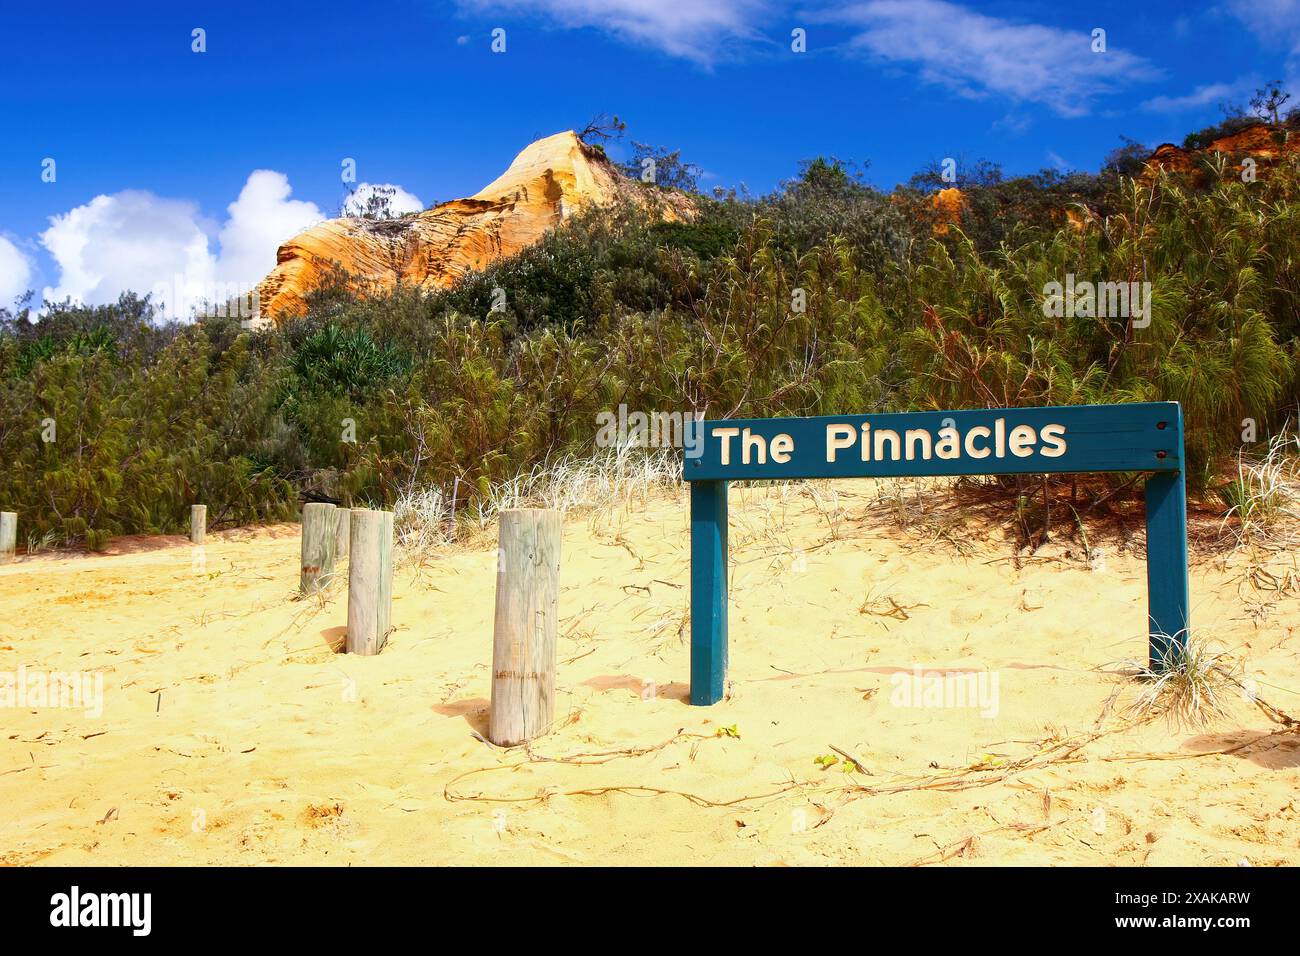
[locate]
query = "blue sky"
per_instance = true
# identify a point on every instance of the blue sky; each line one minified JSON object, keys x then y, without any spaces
{"x":157,"y":148}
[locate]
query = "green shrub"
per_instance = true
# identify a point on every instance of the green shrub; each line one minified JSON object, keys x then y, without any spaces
{"x":826,"y":296}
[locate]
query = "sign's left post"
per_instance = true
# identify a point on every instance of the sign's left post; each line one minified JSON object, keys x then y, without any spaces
{"x":708,"y":591}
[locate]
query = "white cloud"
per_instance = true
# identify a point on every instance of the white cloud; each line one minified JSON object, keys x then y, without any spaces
{"x":1015,"y":123}
{"x":401,"y":203}
{"x":1206,"y":95}
{"x":260,"y":220}
{"x":15,"y":272}
{"x":129,"y":240}
{"x":1274,"y":22}
{"x":975,"y":55}
{"x":692,"y":29}
{"x":134,"y":240}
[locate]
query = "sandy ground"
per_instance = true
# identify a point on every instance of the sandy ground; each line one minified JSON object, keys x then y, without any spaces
{"x":232,"y":731}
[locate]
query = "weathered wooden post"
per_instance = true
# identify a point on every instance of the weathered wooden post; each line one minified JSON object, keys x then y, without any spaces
{"x":523,"y":641}
{"x":370,"y":580}
{"x":198,"y":523}
{"x":8,"y":536}
{"x":342,"y":532}
{"x":317,"y":547}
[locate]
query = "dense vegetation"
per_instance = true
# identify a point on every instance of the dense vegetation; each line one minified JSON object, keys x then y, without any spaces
{"x":901,"y":306}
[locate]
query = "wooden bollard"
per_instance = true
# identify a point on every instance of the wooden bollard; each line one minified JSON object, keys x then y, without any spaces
{"x":370,"y":581}
{"x":342,"y":532}
{"x":198,"y":523}
{"x":317,"y":547}
{"x":8,"y":536}
{"x":523,"y":640}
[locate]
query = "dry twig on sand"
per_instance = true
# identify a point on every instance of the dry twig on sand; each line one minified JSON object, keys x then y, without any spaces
{"x":601,"y":757}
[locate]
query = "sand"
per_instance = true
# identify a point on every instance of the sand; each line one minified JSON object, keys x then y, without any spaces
{"x":233,"y":732}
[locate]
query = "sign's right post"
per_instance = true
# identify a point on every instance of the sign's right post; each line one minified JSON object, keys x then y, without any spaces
{"x":1168,"y":613}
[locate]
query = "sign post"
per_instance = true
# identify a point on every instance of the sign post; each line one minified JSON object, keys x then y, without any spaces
{"x":1083,"y":438}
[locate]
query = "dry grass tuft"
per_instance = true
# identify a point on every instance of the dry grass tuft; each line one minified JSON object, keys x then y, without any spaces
{"x":45,"y":542}
{"x":424,"y":521}
{"x":1191,"y":685}
{"x":1265,"y":490}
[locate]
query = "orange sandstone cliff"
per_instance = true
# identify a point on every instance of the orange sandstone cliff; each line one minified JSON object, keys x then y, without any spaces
{"x":547,"y":182}
{"x":1264,"y":143}
{"x":947,"y":205}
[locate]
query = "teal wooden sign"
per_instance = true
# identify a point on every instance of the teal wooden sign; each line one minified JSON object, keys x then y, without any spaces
{"x":1143,"y":437}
